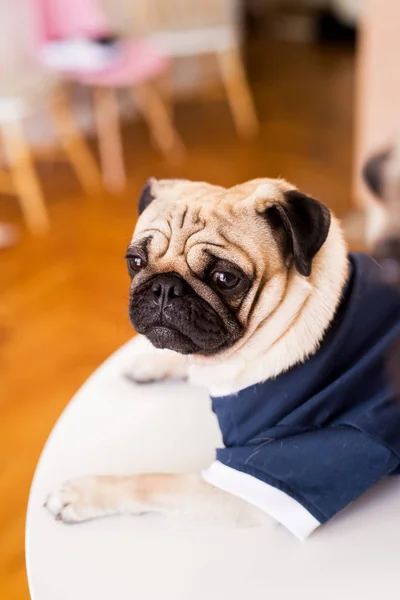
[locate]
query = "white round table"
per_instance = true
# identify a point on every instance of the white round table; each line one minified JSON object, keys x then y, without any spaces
{"x":113,"y":426}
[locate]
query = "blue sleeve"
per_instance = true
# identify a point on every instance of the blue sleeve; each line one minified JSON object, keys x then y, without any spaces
{"x":323,"y":470}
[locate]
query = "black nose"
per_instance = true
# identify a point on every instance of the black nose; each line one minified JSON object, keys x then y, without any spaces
{"x":167,"y":287}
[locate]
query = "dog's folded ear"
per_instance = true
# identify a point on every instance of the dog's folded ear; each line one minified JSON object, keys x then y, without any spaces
{"x":146,"y":196}
{"x":304,"y":223}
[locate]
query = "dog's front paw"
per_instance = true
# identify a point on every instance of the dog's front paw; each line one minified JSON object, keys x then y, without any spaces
{"x":150,"y":364}
{"x":79,"y":500}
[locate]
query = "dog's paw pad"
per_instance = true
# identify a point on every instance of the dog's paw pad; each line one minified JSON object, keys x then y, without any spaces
{"x":140,"y":378}
{"x":146,"y":369}
{"x":152,"y":368}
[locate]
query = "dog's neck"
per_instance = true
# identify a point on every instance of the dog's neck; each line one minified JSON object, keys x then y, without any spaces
{"x":293,"y":333}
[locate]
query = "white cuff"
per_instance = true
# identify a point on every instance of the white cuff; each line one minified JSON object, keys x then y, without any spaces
{"x":281,"y":507}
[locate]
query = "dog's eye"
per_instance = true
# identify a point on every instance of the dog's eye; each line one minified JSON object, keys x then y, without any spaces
{"x":135,"y":263}
{"x":225,"y":280}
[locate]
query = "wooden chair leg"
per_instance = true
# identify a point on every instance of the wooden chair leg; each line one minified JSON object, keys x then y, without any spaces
{"x":164,"y":86}
{"x":74,"y":145}
{"x":159,"y":121}
{"x":167,"y":92}
{"x":24,"y":177}
{"x":106,"y":114}
{"x":239,"y":95}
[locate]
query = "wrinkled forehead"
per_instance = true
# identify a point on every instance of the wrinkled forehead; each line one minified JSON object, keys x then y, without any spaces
{"x":176,"y":200}
{"x":187,"y":217}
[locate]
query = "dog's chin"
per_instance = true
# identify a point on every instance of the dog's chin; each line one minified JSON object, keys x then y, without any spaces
{"x":170,"y":339}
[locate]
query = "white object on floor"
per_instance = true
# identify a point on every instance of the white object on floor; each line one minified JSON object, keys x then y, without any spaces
{"x":113,"y":426}
{"x":22,"y":93}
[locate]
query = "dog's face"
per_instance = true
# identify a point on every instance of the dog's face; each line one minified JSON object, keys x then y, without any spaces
{"x":208,"y":263}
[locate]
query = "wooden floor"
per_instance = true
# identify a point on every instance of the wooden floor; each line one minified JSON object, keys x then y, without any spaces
{"x":63,"y":299}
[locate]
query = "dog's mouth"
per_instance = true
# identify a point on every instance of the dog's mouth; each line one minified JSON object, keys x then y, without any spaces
{"x":163,"y":336}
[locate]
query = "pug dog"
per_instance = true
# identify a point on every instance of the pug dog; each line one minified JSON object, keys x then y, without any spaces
{"x":251,"y":290}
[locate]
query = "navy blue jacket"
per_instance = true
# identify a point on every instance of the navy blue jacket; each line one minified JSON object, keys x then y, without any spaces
{"x":327,"y":430}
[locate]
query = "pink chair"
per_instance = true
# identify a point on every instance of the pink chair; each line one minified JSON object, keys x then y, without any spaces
{"x":136,"y":66}
{"x":27,"y":89}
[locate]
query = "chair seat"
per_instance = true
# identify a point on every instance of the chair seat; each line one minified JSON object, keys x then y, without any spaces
{"x":20,"y":93}
{"x":139,"y":61}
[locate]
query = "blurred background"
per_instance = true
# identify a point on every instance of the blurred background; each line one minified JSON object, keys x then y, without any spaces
{"x":98,"y":95}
